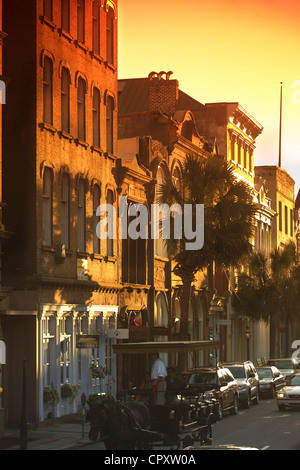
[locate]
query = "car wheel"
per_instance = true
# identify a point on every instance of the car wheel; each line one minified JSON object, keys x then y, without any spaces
{"x":235,"y":408}
{"x":220,"y":410}
{"x":256,"y":399}
{"x":248,"y":401}
{"x":273,"y":392}
{"x":281,"y":407}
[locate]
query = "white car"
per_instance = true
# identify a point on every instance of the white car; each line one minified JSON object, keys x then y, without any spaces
{"x":289,"y":396}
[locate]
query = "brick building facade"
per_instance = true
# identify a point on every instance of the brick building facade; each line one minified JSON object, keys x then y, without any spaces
{"x":59,"y":151}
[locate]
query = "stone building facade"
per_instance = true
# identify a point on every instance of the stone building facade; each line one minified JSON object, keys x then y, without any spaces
{"x":59,"y":150}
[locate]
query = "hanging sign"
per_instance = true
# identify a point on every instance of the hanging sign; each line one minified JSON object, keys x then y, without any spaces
{"x":87,"y":341}
{"x":119,"y":333}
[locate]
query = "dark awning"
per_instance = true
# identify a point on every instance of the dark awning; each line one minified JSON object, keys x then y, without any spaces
{"x":165,"y":347}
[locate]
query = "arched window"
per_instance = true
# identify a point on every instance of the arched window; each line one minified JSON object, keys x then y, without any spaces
{"x":96,"y":219}
{"x":160,"y":246}
{"x":110,"y":104}
{"x":96,"y":26}
{"x":81,"y":91}
{"x":48,"y":91}
{"x":47,"y":206}
{"x":96,"y":117}
{"x":81,"y":216}
{"x":81,"y":21}
{"x":65,"y":210}
{"x":110,"y":238}
{"x":160,"y":311}
{"x":110,"y":35}
{"x":65,"y":100}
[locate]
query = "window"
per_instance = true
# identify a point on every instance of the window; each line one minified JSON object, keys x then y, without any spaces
{"x":134,"y":259}
{"x":109,"y":125}
{"x":65,"y":328}
{"x":280,"y":215}
{"x":96,"y":27}
{"x":65,"y":210}
{"x":47,"y":207}
{"x":81,"y":216}
{"x":48,"y":92}
{"x":48,"y":9}
{"x":291,"y":222}
{"x":110,"y":36}
{"x":110,"y":239}
{"x":96,"y":220}
{"x":65,"y":100}
{"x":81,"y":21}
{"x":286,"y":222}
{"x":232,"y":147}
{"x":96,"y":118}
{"x":81,"y":108}
{"x":65,"y":15}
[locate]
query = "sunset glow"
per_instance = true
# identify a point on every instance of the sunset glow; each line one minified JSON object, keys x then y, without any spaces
{"x":224,"y":51}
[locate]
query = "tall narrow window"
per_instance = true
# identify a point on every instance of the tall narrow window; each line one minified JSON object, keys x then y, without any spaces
{"x":81,"y":21}
{"x":280,"y":215}
{"x":96,"y":27}
{"x":65,"y":211}
{"x":65,"y":100}
{"x":81,"y":108}
{"x":48,"y":9}
{"x":96,"y":117}
{"x":96,"y":219}
{"x":65,"y":15}
{"x":110,"y":125}
{"x":81,"y":216}
{"x":110,"y":36}
{"x":286,"y":222}
{"x":110,"y":241}
{"x":291,"y":223}
{"x":48,"y":92}
{"x":47,"y":207}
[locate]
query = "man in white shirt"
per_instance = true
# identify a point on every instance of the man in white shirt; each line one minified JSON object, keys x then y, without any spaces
{"x":158,"y":378}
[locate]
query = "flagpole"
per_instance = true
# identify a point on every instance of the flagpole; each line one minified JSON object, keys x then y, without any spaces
{"x":280,"y":126}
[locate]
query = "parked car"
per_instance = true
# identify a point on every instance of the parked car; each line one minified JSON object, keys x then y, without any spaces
{"x":288,"y":367}
{"x":214,"y":382}
{"x":271,"y":380}
{"x":248,"y":382}
{"x":289,"y":396}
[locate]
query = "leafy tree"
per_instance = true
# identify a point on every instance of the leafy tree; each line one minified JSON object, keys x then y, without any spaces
{"x":228,"y":224}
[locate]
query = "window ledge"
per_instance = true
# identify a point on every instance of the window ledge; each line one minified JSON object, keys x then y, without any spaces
{"x":65,"y":34}
{"x":161,"y":258}
{"x":83,"y":143}
{"x":48,"y":22}
{"x":96,"y":256}
{"x":81,"y":45}
{"x":109,"y":155}
{"x":47,"y":127}
{"x":96,"y":56}
{"x":82,"y":254}
{"x":96,"y":149}
{"x":48,"y":248}
{"x":65,"y":135}
{"x":110,"y":66}
{"x":110,"y":259}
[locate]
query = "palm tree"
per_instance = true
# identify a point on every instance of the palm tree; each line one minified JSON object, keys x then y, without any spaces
{"x":269,"y":290}
{"x":228,"y":223}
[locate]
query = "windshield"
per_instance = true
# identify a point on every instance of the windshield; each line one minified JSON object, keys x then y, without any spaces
{"x":264,"y":373}
{"x":238,"y":372}
{"x":295,"y":380}
{"x":203,"y":378}
{"x":283,"y":364}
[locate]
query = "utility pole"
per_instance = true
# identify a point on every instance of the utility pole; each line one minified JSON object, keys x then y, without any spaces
{"x":280,"y":126}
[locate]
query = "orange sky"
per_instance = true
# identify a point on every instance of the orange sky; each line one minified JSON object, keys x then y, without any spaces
{"x":224,"y":50}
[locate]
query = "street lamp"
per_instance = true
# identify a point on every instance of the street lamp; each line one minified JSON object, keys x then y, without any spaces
{"x":247,"y":336}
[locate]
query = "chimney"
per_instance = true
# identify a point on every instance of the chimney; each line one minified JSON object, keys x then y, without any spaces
{"x":163,"y":93}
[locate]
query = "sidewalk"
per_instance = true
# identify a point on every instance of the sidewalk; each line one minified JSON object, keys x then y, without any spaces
{"x":55,"y":436}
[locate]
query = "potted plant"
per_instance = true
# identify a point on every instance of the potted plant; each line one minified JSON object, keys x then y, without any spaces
{"x":50,"y":396}
{"x":69,"y":391}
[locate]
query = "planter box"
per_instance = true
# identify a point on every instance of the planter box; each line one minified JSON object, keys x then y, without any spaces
{"x":2,"y":421}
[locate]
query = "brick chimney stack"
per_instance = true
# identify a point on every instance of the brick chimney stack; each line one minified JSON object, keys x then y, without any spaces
{"x":163,"y":93}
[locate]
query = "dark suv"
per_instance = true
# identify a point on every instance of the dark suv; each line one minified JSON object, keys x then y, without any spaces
{"x":218,"y":383}
{"x":248,"y":381}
